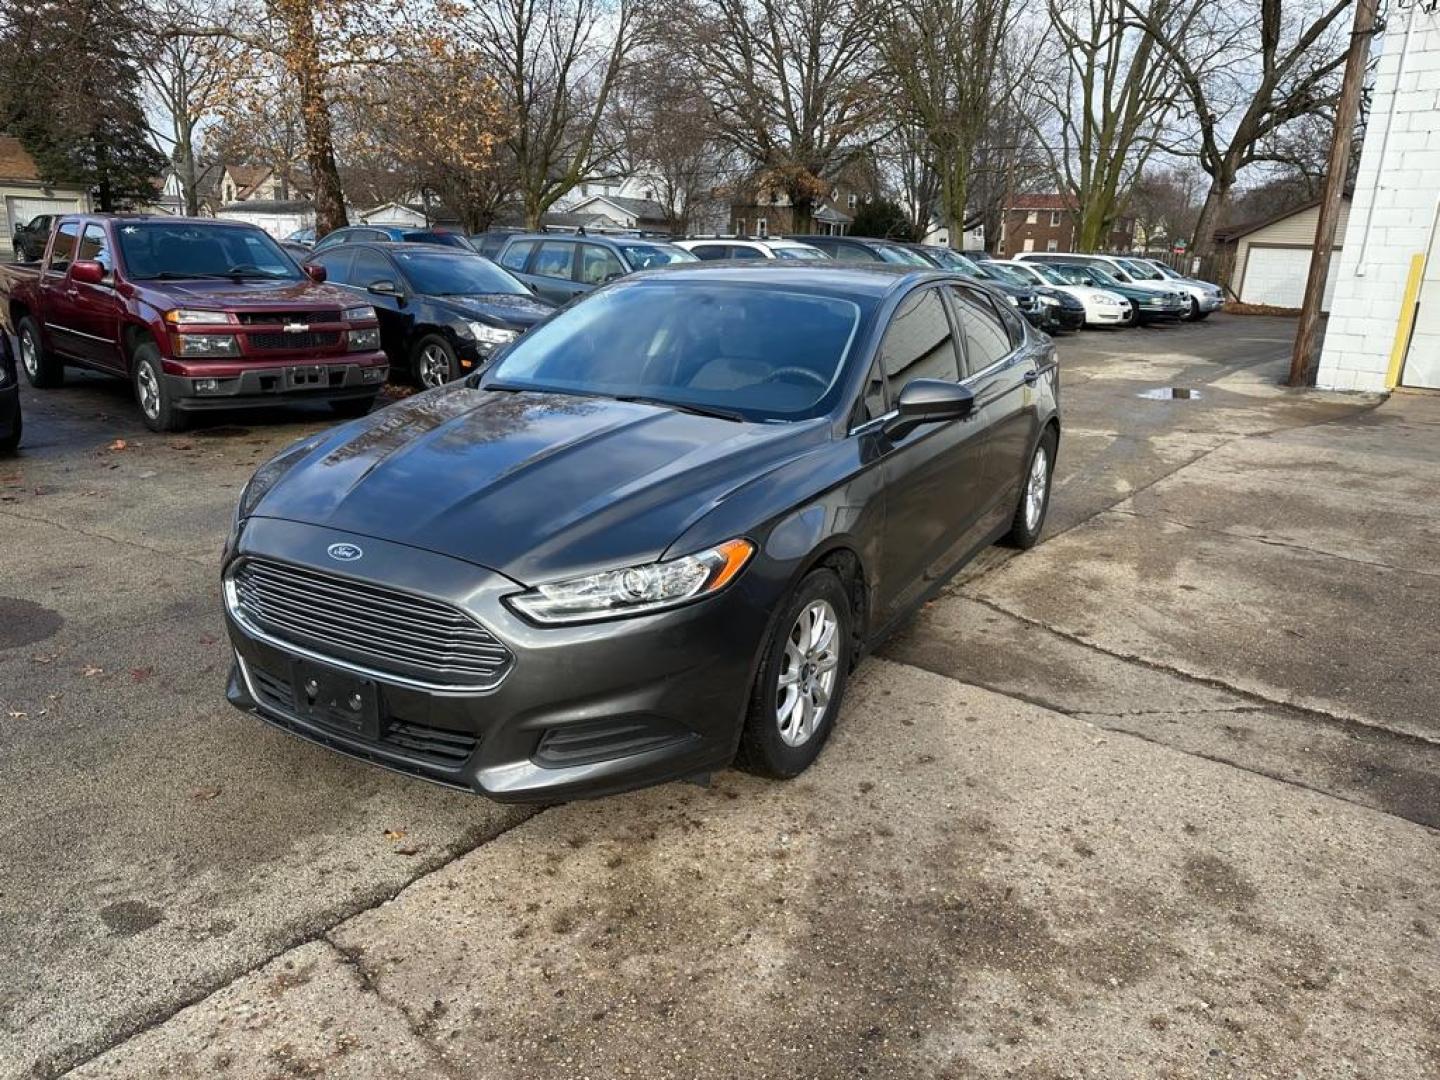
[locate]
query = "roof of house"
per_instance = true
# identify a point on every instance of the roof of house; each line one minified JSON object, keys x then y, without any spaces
{"x":270,"y":206}
{"x":1043,"y":201}
{"x":15,"y":162}
{"x":1234,"y":232}
{"x":829,"y":213}
{"x":247,"y":177}
{"x":640,"y":209}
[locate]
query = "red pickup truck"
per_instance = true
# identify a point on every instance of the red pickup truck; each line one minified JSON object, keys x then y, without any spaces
{"x":196,"y":313}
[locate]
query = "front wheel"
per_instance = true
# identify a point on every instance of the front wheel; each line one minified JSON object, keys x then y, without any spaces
{"x":801,"y":681}
{"x":434,"y":362}
{"x":42,"y":369}
{"x":157,"y":406}
{"x":1029,"y":517}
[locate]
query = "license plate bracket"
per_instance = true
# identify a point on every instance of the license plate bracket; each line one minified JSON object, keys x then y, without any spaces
{"x":336,"y":699}
{"x":306,"y":377}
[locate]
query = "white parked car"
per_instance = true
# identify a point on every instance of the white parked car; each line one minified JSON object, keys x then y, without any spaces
{"x":1202,"y":298}
{"x":1102,"y":307}
{"x":710,"y":249}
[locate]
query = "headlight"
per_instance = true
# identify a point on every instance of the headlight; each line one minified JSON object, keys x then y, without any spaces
{"x":207,"y":345}
{"x":358,"y":314}
{"x":269,"y":474}
{"x":636,"y":589}
{"x":192,"y":317}
{"x":490,"y":335}
{"x":1110,"y":300}
{"x":1048,"y":301}
{"x":1013,"y":301}
{"x":364,"y":340}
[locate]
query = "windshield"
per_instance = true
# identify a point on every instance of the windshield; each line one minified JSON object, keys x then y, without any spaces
{"x":1048,"y":274}
{"x":1142,"y":271}
{"x":953,"y":260}
{"x":644,"y":256}
{"x":799,"y":253}
{"x":162,"y":250}
{"x":440,"y":274}
{"x":1106,"y":276}
{"x":1013,"y":275}
{"x":901,"y":256}
{"x":1073,"y":275}
{"x":750,"y":352}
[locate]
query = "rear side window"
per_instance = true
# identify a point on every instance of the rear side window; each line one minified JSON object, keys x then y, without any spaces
{"x":95,"y":246}
{"x":598,"y":265}
{"x":919,"y":343}
{"x":516,"y":254}
{"x":62,"y":254}
{"x":709,"y":252}
{"x":739,"y":252}
{"x":987,"y":341}
{"x":554,"y":259}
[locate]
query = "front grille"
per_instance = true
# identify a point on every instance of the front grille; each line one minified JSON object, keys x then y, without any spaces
{"x":379,"y":627}
{"x":280,"y":318}
{"x":307,"y":339}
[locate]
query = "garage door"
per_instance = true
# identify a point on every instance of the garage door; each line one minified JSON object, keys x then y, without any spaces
{"x":1276,"y":276}
{"x":19,"y":209}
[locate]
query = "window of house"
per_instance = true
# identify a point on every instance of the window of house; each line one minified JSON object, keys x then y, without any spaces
{"x":919,"y":343}
{"x":740,"y":226}
{"x":1029,"y":245}
{"x":852,"y":201}
{"x":1032,"y":217}
{"x":762,"y":227}
{"x":1052,"y":245}
{"x":1054,"y":219}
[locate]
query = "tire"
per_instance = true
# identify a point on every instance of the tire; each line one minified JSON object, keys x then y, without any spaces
{"x":1029,"y":520}
{"x":1194,"y":315}
{"x":157,"y":407}
{"x":350,"y":408}
{"x":432,"y":352}
{"x":11,"y":442}
{"x":43,"y":370}
{"x":781,"y":744}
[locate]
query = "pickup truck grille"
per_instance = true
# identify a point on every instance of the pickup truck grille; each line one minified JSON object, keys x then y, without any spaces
{"x":373,"y":625}
{"x":280,"y":318}
{"x":306,"y":339}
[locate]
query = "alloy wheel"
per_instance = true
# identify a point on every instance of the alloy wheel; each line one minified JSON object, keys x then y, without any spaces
{"x":149,"y":387}
{"x":434,"y":367}
{"x":808,"y":671}
{"x":30,"y":355}
{"x":1036,"y":487}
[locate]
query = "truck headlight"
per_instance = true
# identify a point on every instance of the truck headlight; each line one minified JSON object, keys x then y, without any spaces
{"x":194,"y":317}
{"x":207,"y":345}
{"x":636,"y":590}
{"x":367,"y":340}
{"x":490,"y":335}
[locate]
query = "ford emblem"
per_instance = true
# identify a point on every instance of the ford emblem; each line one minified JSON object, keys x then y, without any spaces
{"x":345,"y":552}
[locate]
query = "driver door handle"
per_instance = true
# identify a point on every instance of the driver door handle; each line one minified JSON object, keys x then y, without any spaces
{"x":1032,"y":377}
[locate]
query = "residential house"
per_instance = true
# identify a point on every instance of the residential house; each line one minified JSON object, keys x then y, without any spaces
{"x":278,"y":217}
{"x":765,"y":210}
{"x":1047,"y":222}
{"x":172,"y":196}
{"x":1267,"y":262}
{"x":23,"y":195}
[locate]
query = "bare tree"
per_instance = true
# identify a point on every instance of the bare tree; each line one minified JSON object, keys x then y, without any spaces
{"x":1247,"y":70}
{"x":186,"y":79}
{"x":1109,"y":94}
{"x":1166,"y":202}
{"x":791,"y":85}
{"x":942,"y":65}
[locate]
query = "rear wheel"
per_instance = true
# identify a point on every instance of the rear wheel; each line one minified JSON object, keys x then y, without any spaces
{"x":801,"y":682}
{"x":42,"y":369}
{"x":1029,"y":517}
{"x":157,"y":406}
{"x":433,"y":362}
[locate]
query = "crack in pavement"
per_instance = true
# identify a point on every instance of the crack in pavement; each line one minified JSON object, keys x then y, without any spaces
{"x":34,"y":520}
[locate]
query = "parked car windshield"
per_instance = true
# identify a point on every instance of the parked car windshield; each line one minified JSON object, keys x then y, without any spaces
{"x":1141,"y":271}
{"x":807,"y":253}
{"x":163,"y":250}
{"x":439,"y":273}
{"x":1049,"y":273}
{"x":901,"y":256}
{"x":953,"y":260}
{"x":1009,"y":274}
{"x":747,"y":352}
{"x":643,"y":256}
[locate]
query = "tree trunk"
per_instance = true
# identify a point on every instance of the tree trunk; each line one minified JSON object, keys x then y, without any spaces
{"x":802,"y":211}
{"x":303,"y":59}
{"x":1202,"y":244}
{"x":954,"y":194}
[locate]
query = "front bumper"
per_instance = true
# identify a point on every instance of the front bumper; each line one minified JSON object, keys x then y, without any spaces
{"x":580,"y":711}
{"x":1209,"y":302}
{"x":339,"y":378}
{"x":1108,"y":316}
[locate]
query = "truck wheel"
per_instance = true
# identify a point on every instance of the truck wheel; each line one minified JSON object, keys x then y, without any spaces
{"x":157,"y":408}
{"x":41,"y":368}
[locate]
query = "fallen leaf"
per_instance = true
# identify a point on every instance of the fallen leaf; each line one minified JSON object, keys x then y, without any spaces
{"x":140,"y":674}
{"x":205,"y":793}
{"x":15,"y":714}
{"x":44,"y":659}
{"x":208,"y":639}
{"x":394,"y":834}
{"x":118,"y":444}
{"x":90,"y":671}
{"x":407,"y":851}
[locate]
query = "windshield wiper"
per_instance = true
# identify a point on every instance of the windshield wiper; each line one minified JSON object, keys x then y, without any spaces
{"x":252,"y":272}
{"x":686,"y":407}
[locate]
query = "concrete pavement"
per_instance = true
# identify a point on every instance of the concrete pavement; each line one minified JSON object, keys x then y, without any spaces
{"x":1166,"y":840}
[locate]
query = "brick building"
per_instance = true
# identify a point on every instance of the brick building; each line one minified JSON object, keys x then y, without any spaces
{"x":1384,"y":328}
{"x":1047,"y":223}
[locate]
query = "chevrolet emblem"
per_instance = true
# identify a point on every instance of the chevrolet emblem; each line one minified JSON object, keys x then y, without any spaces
{"x":296,"y":327}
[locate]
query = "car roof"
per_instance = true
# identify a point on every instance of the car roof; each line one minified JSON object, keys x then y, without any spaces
{"x":592,"y":238}
{"x":836,"y":278}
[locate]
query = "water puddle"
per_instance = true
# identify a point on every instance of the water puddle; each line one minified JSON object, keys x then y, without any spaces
{"x":1171,"y":393}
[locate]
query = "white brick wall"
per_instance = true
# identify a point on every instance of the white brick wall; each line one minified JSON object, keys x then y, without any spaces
{"x":1395,"y":206}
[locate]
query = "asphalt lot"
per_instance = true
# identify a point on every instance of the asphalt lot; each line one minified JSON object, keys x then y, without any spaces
{"x":1158,"y":798}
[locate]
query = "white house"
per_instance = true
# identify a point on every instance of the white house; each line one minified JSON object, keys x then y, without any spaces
{"x":278,"y":217}
{"x":23,"y":196}
{"x":1384,"y":326}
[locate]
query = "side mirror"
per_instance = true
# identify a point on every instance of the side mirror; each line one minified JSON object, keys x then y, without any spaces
{"x":383,"y":288}
{"x":87,"y":272}
{"x":315,"y":272}
{"x":929,"y":401}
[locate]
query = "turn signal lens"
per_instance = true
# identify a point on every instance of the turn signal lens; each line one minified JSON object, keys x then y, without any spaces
{"x":636,"y":590}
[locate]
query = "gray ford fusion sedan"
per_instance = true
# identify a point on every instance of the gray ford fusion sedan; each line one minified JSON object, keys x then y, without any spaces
{"x":658,"y":531}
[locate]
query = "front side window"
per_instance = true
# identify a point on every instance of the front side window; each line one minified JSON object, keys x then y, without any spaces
{"x":919,"y":343}
{"x":369,"y":267}
{"x":337,"y":263}
{"x":438,"y":273}
{"x":644,"y":256}
{"x":62,"y":252}
{"x":157,"y":251}
{"x":746,"y":351}
{"x":554,"y":259}
{"x":599,"y":264}
{"x":96,"y":247}
{"x":987,"y":341}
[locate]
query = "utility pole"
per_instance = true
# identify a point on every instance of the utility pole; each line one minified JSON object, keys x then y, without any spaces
{"x":1302,"y":366}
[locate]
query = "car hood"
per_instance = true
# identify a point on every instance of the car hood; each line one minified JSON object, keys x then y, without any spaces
{"x":536,"y":486}
{"x":245,"y":295}
{"x":502,"y":309}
